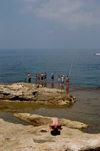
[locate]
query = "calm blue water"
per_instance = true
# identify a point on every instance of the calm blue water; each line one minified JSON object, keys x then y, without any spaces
{"x":82,"y":65}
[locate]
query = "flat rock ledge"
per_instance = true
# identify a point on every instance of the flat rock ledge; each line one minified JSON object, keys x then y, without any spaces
{"x":38,"y":120}
{"x":18,"y":137}
{"x":31,"y":92}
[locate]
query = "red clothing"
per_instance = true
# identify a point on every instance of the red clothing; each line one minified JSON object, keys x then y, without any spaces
{"x":67,"y":80}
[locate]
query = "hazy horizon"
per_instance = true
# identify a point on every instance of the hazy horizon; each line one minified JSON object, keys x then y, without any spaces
{"x":53,"y":24}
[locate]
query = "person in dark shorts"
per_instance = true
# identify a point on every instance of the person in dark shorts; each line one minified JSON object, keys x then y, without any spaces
{"x":45,"y":76}
{"x":36,"y":78}
{"x":29,"y":77}
{"x":45,"y":79}
{"x":52,"y":80}
{"x":52,"y":76}
{"x":42,"y":78}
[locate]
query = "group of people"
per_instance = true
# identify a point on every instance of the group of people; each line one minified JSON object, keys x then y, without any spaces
{"x":61,"y":80}
{"x":42,"y":79}
{"x":39,"y":78}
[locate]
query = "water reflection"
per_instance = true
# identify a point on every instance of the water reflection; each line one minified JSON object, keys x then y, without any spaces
{"x":52,"y":84}
{"x":86,"y":109}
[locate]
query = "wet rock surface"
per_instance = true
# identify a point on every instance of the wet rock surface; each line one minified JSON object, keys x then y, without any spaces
{"x":30,"y":92}
{"x":18,"y":137}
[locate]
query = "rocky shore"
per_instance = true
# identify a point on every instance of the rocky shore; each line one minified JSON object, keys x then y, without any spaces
{"x":38,"y":120}
{"x":18,"y":137}
{"x":38,"y":94}
{"x":35,"y":135}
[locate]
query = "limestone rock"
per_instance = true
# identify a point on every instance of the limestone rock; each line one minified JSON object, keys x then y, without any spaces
{"x":17,"y":137}
{"x":29,"y":92}
{"x":38,"y":120}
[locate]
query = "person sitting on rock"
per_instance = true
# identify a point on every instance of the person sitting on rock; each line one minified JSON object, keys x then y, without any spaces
{"x":55,"y":127}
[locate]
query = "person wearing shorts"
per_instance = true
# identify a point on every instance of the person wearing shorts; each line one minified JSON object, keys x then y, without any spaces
{"x":29,"y":77}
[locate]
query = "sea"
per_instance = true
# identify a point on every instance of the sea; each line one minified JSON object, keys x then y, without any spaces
{"x":83,"y":69}
{"x":82,"y":66}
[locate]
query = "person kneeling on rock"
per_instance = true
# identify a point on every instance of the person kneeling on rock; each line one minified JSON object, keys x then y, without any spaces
{"x":55,"y":127}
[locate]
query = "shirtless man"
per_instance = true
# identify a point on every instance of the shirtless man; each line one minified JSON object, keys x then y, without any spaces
{"x":29,"y":77}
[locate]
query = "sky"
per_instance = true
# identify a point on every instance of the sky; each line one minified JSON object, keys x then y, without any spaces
{"x":49,"y":24}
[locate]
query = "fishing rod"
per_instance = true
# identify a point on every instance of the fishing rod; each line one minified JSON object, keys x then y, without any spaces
{"x":70,"y":70}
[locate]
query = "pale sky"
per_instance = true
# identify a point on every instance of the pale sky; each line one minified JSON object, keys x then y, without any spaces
{"x":52,"y":24}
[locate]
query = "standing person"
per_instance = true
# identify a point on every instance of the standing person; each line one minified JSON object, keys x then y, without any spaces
{"x":63,"y":78}
{"x":59,"y":78}
{"x":52,"y":80}
{"x":45,"y":76}
{"x":45,"y":79}
{"x":62,"y":81}
{"x":29,"y":77}
{"x":36,"y":78}
{"x":42,"y":77}
{"x":67,"y":84}
{"x":52,"y":76}
{"x":67,"y":80}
